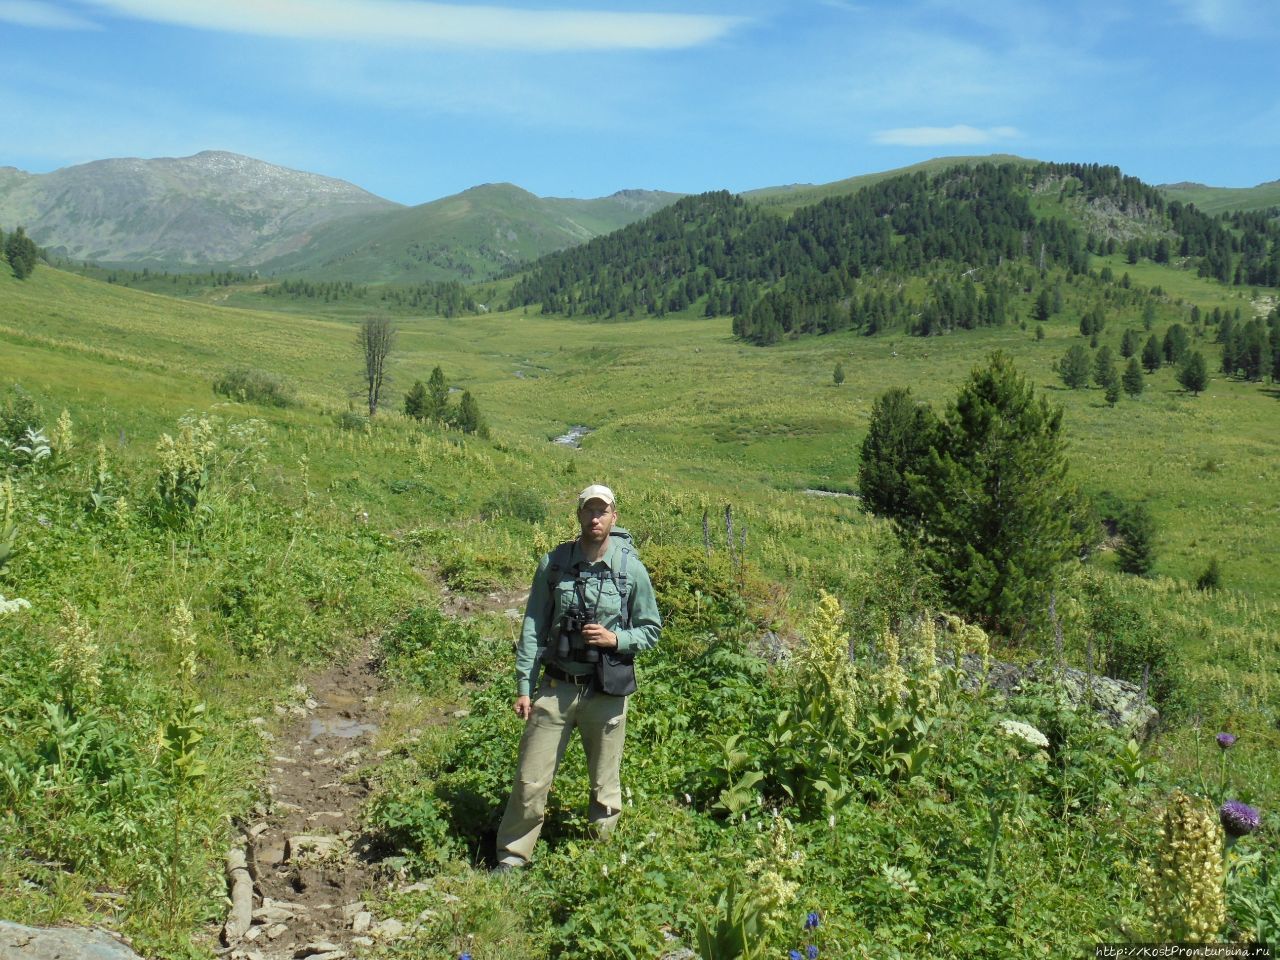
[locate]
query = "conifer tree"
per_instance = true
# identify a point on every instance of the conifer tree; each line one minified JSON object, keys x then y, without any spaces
{"x":1129,"y":344}
{"x":1074,"y":367}
{"x":437,"y":401}
{"x":837,"y":375}
{"x":996,"y":510}
{"x":1133,"y":379}
{"x":415,"y":401}
{"x":1193,"y":374}
{"x":469,"y":419}
{"x":1136,"y":552}
{"x":1104,"y":368}
{"x":896,"y":446}
{"x":1152,"y":355}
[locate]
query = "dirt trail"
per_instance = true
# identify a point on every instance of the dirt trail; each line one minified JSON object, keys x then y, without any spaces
{"x":310,"y":865}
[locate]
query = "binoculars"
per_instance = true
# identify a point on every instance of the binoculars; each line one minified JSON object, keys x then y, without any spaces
{"x":569,"y":642}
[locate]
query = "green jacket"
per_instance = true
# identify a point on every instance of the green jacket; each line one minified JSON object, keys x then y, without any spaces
{"x":546,"y":606}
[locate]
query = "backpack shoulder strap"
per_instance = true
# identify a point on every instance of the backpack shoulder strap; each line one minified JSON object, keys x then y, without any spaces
{"x":558,"y":563}
{"x":620,"y":577}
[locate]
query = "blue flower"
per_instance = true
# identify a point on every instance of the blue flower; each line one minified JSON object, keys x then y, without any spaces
{"x":811,"y":922}
{"x":796,"y":955}
{"x":464,"y":956}
{"x":812,"y":952}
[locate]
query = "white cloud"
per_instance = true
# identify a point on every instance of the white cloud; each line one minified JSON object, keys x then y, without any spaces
{"x":34,"y":13}
{"x":959,"y":134}
{"x":1240,"y":19}
{"x":439,"y":24}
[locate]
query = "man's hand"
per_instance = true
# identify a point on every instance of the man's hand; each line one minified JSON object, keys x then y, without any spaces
{"x":524,"y":707}
{"x":598,"y":636}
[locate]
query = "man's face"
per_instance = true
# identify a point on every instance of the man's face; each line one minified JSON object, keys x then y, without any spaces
{"x":596,"y":519}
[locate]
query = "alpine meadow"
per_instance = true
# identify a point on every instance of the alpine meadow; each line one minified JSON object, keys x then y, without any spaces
{"x":959,"y":488}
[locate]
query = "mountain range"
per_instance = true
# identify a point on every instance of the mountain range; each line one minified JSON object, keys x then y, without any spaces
{"x":219,"y":210}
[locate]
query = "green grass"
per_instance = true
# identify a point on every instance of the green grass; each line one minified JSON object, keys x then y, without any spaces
{"x":1225,"y":199}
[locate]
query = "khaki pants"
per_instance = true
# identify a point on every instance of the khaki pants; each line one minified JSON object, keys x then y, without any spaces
{"x":558,"y":708}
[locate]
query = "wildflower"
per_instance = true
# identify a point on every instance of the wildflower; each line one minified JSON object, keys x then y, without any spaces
{"x":1227,"y":740}
{"x":1184,"y":884}
{"x":464,"y":956}
{"x":831,"y":820}
{"x":12,"y":606}
{"x":811,"y":921}
{"x":811,"y":952}
{"x":76,"y":653}
{"x":795,"y":955}
{"x":62,"y":434}
{"x":1024,"y":732}
{"x":604,"y":869}
{"x":1239,"y":819}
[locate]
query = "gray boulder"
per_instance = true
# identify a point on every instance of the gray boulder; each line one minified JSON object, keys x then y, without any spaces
{"x":60,"y":943}
{"x":1118,"y":703}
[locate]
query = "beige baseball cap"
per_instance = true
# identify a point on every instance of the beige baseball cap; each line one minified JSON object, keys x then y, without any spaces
{"x":597,"y":491}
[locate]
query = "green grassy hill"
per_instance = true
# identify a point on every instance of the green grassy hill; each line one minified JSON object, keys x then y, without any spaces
{"x":1225,"y":199}
{"x":472,"y":235}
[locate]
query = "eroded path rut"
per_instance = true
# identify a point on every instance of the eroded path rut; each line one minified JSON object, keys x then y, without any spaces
{"x":312,"y":870}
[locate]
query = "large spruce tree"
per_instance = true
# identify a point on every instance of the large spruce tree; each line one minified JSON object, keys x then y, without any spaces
{"x":987,"y":497}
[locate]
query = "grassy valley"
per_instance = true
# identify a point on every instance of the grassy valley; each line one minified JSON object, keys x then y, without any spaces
{"x":213,"y":569}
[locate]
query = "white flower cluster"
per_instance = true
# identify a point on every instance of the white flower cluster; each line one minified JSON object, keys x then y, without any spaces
{"x":1024,"y":732}
{"x":12,"y":606}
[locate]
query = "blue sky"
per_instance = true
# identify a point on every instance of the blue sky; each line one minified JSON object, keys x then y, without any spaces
{"x":415,"y":100}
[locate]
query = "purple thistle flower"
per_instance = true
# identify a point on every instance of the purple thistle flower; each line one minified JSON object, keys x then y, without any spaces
{"x":1226,"y":740}
{"x":1239,"y":819}
{"x":812,"y":952}
{"x":811,"y":921}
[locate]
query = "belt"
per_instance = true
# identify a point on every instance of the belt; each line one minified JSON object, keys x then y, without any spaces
{"x":581,"y":680}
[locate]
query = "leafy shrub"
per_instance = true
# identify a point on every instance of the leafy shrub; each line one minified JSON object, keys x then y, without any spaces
{"x":1211,"y":578}
{"x":438,"y":653}
{"x":1133,"y":642}
{"x":250,"y":385}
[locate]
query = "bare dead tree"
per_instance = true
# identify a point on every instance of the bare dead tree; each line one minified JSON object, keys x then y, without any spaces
{"x":376,"y":338}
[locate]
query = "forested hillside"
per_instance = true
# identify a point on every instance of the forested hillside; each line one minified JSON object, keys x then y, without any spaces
{"x":857,"y":261}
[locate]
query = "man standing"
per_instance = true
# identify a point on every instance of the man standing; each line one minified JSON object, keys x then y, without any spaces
{"x":590,"y":611}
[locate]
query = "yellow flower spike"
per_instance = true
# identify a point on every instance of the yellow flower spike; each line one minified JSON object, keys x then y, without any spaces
{"x":1184,"y":888}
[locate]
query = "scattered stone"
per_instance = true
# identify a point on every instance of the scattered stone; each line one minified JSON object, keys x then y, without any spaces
{"x":310,"y":703}
{"x":351,"y":909}
{"x":275,"y":931}
{"x":253,"y":933}
{"x":418,"y":887}
{"x":388,"y":929}
{"x":318,"y":947}
{"x":361,"y":922}
{"x":257,"y":830}
{"x":311,"y":845}
{"x":459,"y":714}
{"x":258,"y":721}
